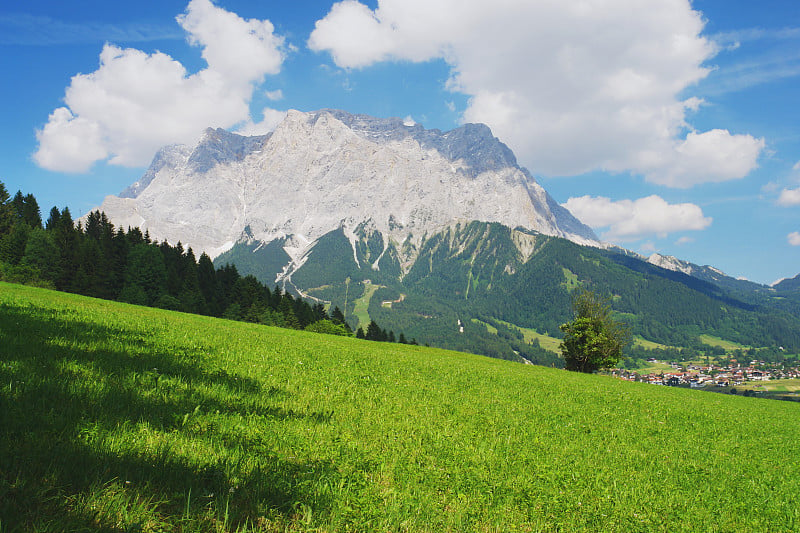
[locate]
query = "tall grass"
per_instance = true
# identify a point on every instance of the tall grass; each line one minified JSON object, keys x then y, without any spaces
{"x":121,"y":418}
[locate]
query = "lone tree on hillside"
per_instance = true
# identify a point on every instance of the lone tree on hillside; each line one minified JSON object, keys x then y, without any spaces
{"x":593,"y":339}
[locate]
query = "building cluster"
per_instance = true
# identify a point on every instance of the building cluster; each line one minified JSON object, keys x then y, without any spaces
{"x":698,"y":376}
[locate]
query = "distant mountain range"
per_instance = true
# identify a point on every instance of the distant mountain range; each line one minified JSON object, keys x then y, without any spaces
{"x":790,"y":284}
{"x":441,"y":235}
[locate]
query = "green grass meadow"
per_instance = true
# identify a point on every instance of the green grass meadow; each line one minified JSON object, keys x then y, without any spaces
{"x":362,"y":304}
{"x":529,"y":335}
{"x":121,"y":418}
{"x":729,"y":346}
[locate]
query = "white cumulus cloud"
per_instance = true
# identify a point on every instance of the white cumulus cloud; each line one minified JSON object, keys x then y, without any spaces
{"x":270,"y":120}
{"x":789,"y":197}
{"x":570,"y":86}
{"x":628,"y":220}
{"x":794,"y":238}
{"x":712,"y":156}
{"x":647,"y":247}
{"x":135,"y":102}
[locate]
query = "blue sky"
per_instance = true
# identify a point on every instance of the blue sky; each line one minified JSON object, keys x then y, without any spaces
{"x":668,"y":126}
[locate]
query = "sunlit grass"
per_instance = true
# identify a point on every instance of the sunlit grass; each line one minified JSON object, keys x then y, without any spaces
{"x":121,"y":418}
{"x":728,"y":346}
{"x":547,"y":342}
{"x":654,"y":368}
{"x":649,"y":345}
{"x":362,"y":305}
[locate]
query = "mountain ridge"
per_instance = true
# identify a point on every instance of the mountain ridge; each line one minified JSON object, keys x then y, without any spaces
{"x":321,"y":170}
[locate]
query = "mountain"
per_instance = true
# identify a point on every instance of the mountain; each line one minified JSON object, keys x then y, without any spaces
{"x":440,"y":235}
{"x":490,"y":289}
{"x":705,"y":273}
{"x":787,"y":285}
{"x":329,"y":169}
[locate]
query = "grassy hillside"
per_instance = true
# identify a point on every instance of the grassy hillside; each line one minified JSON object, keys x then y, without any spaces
{"x":121,"y":418}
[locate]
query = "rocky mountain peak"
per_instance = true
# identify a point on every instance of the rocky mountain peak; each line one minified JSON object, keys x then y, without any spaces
{"x":327,"y":169}
{"x":219,"y":146}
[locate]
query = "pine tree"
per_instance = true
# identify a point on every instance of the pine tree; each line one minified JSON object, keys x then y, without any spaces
{"x":67,"y":239}
{"x":374,"y":332}
{"x":118,"y":260}
{"x":286,"y":309}
{"x":54,"y":219}
{"x":145,"y":274}
{"x":6,"y":211}
{"x":319,"y":312}
{"x":305,"y":315}
{"x":227,"y":276}
{"x":93,"y":228}
{"x":337,"y":317}
{"x":191,"y":297}
{"x":135,"y":237}
{"x":31,"y":214}
{"x":277,"y":295}
{"x":12,"y":245}
{"x":18,"y":207}
{"x":207,"y":281}
{"x":42,"y":254}
{"x":90,"y":279}
{"x":172,"y":263}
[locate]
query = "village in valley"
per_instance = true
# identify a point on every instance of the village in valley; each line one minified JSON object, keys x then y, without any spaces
{"x":750,"y":378}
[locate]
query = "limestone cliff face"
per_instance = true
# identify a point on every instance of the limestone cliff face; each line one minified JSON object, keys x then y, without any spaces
{"x":328,"y":169}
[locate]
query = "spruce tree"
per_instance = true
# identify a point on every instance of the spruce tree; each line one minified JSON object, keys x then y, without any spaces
{"x":12,"y":245}
{"x":374,"y":332}
{"x":145,"y":274}
{"x":191,"y":297}
{"x":207,"y":281}
{"x":305,"y":315}
{"x":6,"y":211}
{"x":41,"y":253}
{"x":31,"y":214}
{"x":18,"y":207}
{"x":118,"y":260}
{"x":54,"y":219}
{"x":286,"y":309}
{"x":66,"y":238}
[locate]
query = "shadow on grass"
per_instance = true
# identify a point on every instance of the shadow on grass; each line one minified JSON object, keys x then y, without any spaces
{"x":61,"y":409}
